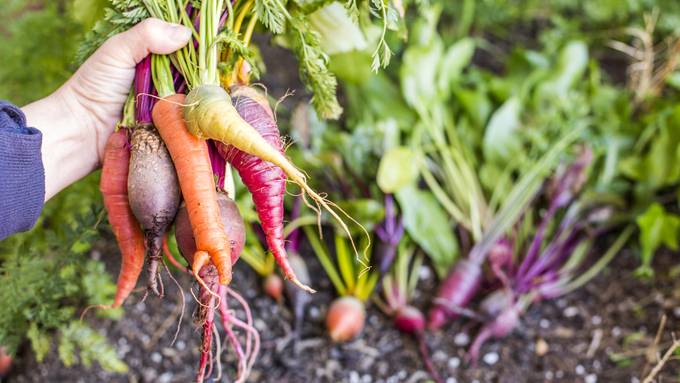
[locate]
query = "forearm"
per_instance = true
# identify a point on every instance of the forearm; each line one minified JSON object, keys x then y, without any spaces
{"x":69,"y":148}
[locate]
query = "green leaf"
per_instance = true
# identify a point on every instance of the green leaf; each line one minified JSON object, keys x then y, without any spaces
{"x":501,"y":141}
{"x":321,"y":252}
{"x":87,"y":12}
{"x":429,"y":227}
{"x":476,"y":103}
{"x":333,"y":21}
{"x":419,"y":72}
{"x":571,"y":65}
{"x":313,"y":66}
{"x":657,"y":228}
{"x":272,"y":13}
{"x":367,"y":212}
{"x":674,"y":80}
{"x":345,"y":262}
{"x":398,"y":168}
{"x":457,"y":57}
{"x":93,"y":347}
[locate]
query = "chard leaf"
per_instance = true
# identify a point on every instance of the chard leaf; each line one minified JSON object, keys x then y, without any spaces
{"x":429,"y":227}
{"x":457,"y":57}
{"x":657,"y":228}
{"x":501,"y":141}
{"x":398,"y":169}
{"x":571,"y":65}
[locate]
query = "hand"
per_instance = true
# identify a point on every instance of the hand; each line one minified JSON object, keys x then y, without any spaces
{"x":77,"y":119}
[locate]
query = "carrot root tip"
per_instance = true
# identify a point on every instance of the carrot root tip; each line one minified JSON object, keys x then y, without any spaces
{"x":301,"y":285}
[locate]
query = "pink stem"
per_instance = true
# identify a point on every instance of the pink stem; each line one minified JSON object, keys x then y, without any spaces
{"x":206,"y":342}
{"x":425,"y":354}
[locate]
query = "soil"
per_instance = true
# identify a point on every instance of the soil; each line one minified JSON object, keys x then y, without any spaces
{"x":604,"y":332}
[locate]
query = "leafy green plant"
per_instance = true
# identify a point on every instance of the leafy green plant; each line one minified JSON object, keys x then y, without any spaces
{"x":37,"y":49}
{"x":350,"y":276}
{"x":657,"y":228}
{"x":48,"y":276}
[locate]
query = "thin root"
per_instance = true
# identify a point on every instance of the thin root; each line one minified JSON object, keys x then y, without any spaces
{"x":181,"y":294}
{"x":301,"y":285}
{"x":171,"y":257}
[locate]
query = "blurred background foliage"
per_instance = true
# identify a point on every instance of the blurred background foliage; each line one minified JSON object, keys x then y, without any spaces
{"x":48,"y":274}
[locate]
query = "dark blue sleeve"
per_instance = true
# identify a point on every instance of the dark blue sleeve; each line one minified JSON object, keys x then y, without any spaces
{"x":22,"y":175}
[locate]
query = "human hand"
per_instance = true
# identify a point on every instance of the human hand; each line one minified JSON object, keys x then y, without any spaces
{"x":77,"y":119}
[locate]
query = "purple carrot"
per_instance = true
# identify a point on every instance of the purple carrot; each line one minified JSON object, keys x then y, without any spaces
{"x":456,"y":292}
{"x":218,"y":163}
{"x":500,"y":327}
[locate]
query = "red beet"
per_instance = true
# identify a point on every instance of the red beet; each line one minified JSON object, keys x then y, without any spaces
{"x":233,"y":226}
{"x":5,"y":362}
{"x":410,"y":320}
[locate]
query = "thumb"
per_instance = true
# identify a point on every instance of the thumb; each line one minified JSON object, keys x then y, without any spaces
{"x":149,"y":36}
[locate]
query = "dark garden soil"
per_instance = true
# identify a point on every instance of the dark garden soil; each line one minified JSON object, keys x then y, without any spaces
{"x":604,"y":332}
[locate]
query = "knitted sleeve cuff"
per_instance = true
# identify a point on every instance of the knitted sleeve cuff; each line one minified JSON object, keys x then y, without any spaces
{"x":22,"y":175}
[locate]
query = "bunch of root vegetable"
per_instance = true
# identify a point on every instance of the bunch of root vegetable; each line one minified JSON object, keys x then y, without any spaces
{"x":170,"y":162}
{"x":557,"y":259}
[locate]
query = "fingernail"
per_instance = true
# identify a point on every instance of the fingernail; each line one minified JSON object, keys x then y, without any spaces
{"x":179,"y":32}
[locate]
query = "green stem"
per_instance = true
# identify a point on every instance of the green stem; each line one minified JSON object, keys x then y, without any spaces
{"x":322,"y":253}
{"x":298,"y":223}
{"x":256,"y":262}
{"x":162,"y":76}
{"x":602,"y":262}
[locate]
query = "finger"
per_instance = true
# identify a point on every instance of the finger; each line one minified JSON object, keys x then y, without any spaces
{"x":149,"y":36}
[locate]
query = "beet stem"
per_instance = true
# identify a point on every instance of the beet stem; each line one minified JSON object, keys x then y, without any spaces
{"x":425,"y":355}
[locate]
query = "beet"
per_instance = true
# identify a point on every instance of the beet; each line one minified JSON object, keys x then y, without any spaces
{"x":409,"y":320}
{"x":233,"y":226}
{"x":153,"y":192}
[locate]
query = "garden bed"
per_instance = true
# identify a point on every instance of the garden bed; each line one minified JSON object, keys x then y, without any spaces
{"x":602,"y":333}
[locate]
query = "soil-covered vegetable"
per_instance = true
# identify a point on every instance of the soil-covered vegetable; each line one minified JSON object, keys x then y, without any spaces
{"x":154,"y":194}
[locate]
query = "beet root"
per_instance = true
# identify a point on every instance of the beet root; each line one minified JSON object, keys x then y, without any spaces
{"x":207,"y":295}
{"x":233,"y":227}
{"x":410,"y":320}
{"x":154,"y":195}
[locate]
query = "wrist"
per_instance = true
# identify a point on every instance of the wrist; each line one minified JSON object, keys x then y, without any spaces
{"x":69,"y":147}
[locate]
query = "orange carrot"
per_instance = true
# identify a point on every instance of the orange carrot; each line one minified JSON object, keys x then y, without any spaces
{"x":192,"y":163}
{"x":113,"y":186}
